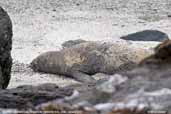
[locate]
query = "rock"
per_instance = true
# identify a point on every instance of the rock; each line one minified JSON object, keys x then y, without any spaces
{"x":28,"y":97}
{"x":71,"y":43}
{"x":146,"y":35}
{"x":141,"y":92}
{"x":104,"y":90}
{"x":5,"y":48}
{"x":161,"y":57}
{"x":89,"y":58}
{"x":149,"y":85}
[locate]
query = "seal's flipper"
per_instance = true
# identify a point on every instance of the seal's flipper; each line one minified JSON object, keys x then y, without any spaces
{"x":82,"y":77}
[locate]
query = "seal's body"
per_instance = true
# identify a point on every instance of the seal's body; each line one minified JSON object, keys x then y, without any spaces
{"x":88,"y":58}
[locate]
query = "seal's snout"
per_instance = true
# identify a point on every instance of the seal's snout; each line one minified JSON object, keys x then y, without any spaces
{"x":33,"y":65}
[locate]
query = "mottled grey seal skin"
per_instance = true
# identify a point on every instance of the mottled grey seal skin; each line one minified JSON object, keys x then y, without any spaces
{"x":85,"y":59}
{"x":5,"y":48}
{"x":146,"y":35}
{"x":53,"y":62}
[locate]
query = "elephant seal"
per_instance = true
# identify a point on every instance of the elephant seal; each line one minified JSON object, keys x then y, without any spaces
{"x":88,"y":58}
{"x":6,"y":34}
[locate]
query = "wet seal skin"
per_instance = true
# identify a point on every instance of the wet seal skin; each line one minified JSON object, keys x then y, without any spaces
{"x":88,"y":58}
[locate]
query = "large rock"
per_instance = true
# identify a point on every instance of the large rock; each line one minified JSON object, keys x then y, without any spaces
{"x":28,"y":97}
{"x":85,"y":59}
{"x":146,"y":35}
{"x":5,"y":48}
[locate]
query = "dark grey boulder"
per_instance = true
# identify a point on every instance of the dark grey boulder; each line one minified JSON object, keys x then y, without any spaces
{"x":28,"y":97}
{"x":146,"y":35}
{"x":5,"y":48}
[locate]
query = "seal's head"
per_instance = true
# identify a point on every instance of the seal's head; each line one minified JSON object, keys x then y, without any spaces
{"x":34,"y":64}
